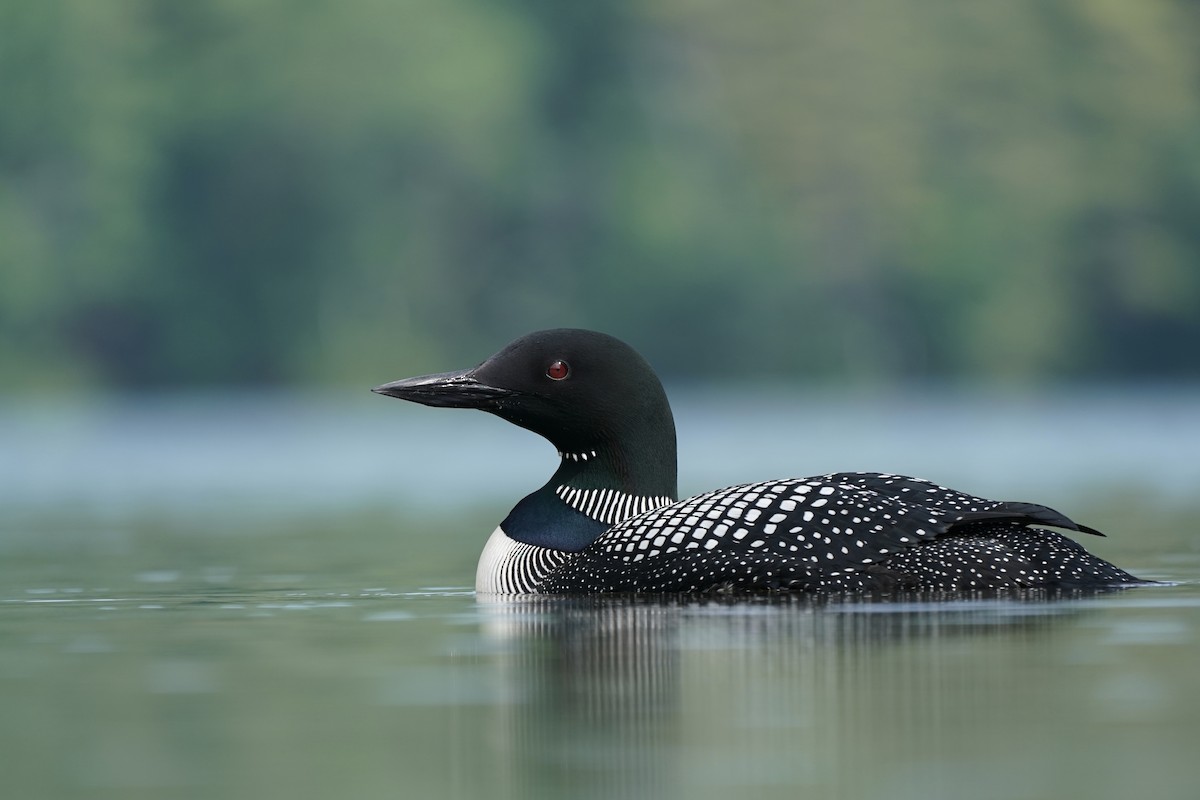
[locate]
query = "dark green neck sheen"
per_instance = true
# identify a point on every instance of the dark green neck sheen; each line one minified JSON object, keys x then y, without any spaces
{"x":645,"y":466}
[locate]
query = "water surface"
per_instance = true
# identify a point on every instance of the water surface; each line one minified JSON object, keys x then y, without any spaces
{"x":232,"y":597}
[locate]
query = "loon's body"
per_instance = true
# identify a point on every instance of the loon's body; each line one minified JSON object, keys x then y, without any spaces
{"x":609,"y":521}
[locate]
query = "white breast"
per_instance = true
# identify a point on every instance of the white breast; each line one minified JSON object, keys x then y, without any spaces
{"x":507,"y":566}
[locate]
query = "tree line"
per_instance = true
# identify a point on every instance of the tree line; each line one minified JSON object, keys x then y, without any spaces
{"x":264,"y":192}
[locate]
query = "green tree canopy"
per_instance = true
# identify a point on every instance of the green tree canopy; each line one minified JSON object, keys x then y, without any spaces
{"x":257,"y":191}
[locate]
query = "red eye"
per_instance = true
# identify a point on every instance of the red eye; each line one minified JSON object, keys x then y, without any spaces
{"x":558,"y":370}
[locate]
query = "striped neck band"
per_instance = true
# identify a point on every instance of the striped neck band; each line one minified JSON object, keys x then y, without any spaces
{"x":609,"y":506}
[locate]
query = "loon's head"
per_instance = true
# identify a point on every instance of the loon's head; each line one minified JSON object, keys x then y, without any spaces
{"x":591,"y":395}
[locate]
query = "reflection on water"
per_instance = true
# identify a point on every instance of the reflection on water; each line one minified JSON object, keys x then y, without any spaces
{"x":845,"y":699}
{"x":235,"y":598}
{"x":311,"y":692}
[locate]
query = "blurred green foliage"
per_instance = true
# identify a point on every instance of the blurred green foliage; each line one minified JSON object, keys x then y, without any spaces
{"x":259,"y":191}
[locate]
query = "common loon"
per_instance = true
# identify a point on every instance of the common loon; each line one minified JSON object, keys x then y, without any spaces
{"x":609,"y":519}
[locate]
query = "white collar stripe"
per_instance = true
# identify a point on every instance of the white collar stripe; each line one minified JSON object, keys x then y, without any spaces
{"x":608,"y":505}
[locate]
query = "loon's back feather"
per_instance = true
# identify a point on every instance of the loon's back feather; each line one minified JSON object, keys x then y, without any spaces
{"x":934,"y":496}
{"x":837,"y":532}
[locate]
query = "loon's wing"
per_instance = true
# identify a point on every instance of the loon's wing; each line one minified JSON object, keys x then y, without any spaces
{"x":1000,"y":555}
{"x":930,"y":495}
{"x":788,"y":531}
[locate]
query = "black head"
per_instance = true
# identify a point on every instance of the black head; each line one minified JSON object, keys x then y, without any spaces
{"x":584,"y":391}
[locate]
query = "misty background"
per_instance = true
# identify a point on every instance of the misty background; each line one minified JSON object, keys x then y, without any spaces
{"x":279,"y":194}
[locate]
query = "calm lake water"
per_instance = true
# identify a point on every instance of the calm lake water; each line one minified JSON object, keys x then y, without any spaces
{"x":260,"y":597}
